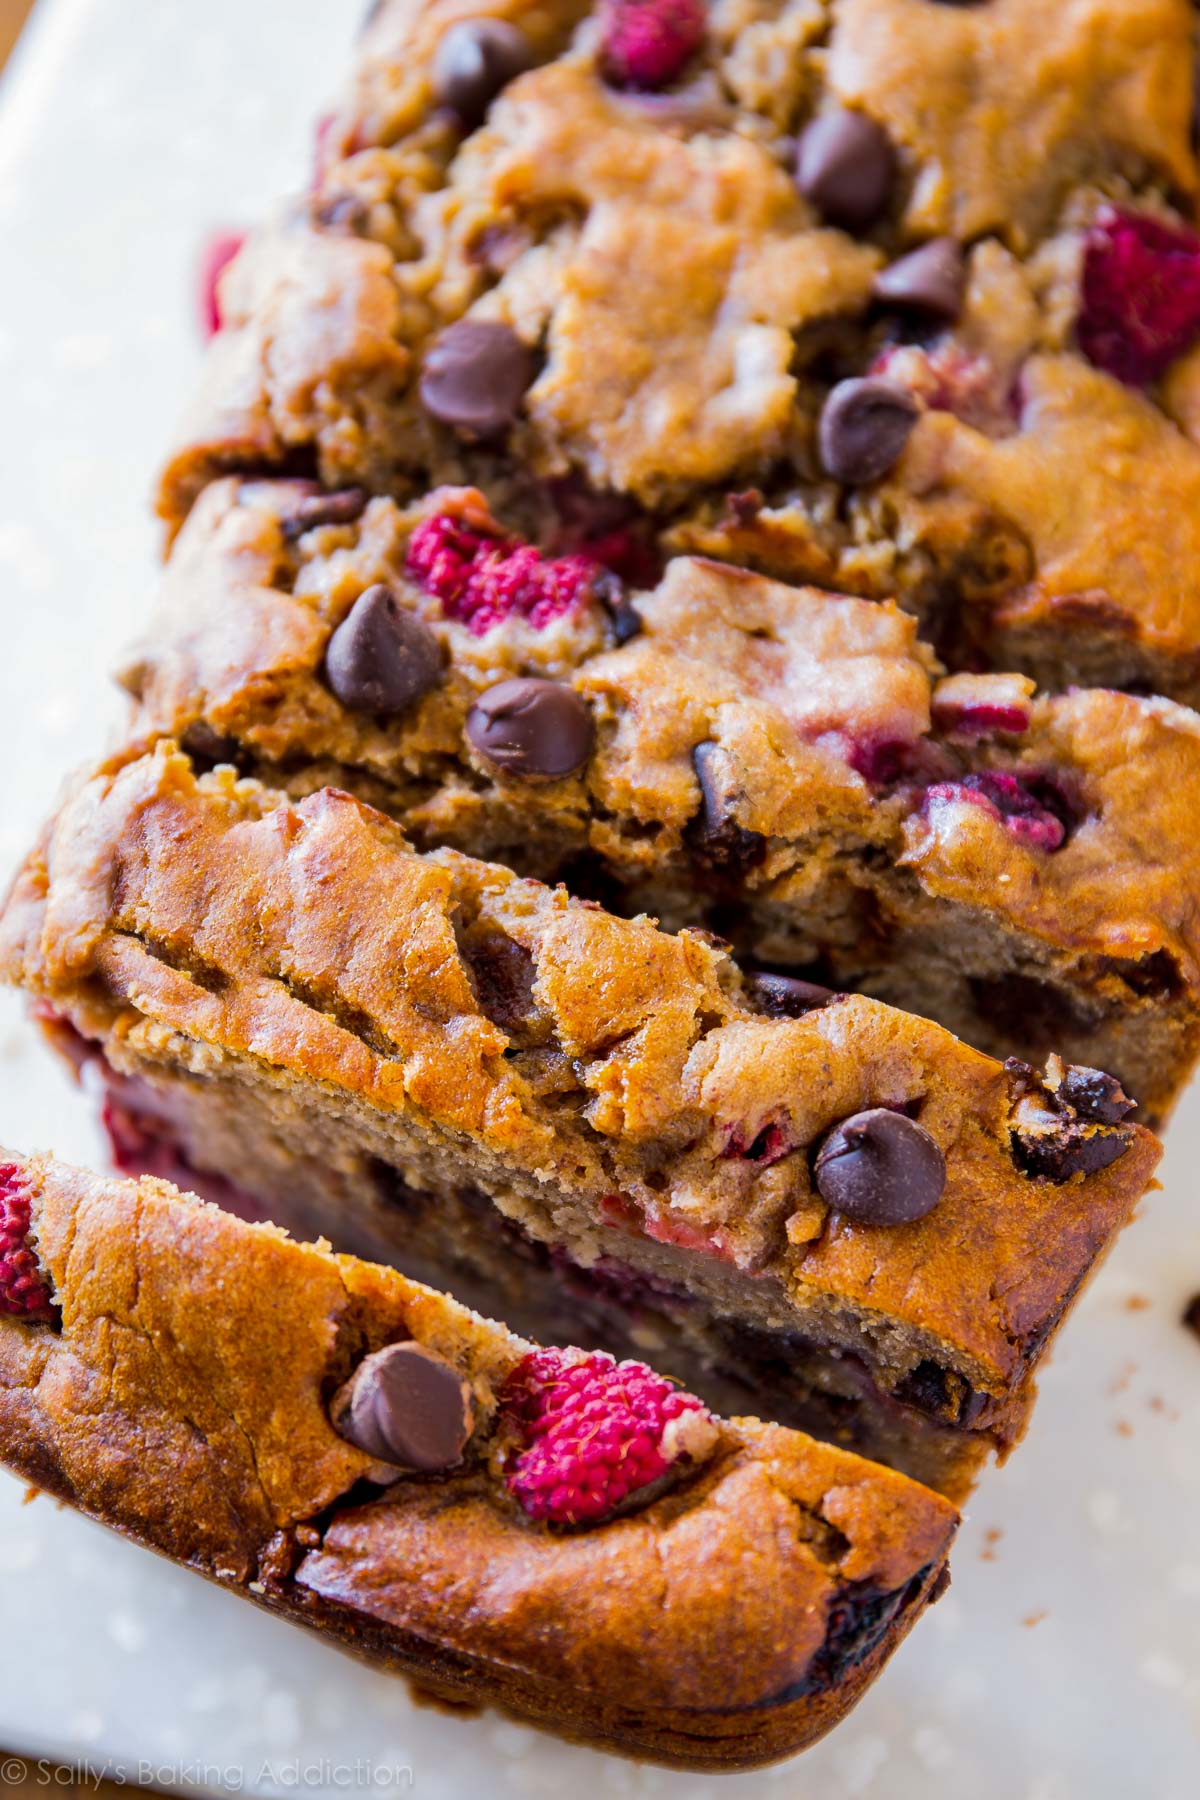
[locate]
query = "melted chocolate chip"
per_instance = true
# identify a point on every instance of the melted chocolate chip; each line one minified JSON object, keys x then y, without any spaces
{"x":942,"y":1393}
{"x":929,"y":280}
{"x":382,"y":658}
{"x":342,"y":507}
{"x":846,"y":166}
{"x":475,"y":377}
{"x":408,"y":1406}
{"x":610,"y":590}
{"x":1060,"y":1148}
{"x":208,"y":748}
{"x":503,"y":973}
{"x":858,"y":1621}
{"x":531,"y":727}
{"x":716,"y":835}
{"x":1191,"y":1315}
{"x":786,"y":996}
{"x":1094,"y":1095}
{"x":864,"y":425}
{"x":880,"y":1168}
{"x":474,"y":61}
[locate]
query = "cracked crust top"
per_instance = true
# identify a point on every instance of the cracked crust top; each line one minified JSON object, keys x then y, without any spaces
{"x":196,"y":923}
{"x":183,"y":1397}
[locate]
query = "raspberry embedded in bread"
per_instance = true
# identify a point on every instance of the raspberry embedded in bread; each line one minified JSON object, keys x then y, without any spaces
{"x":23,"y":1293}
{"x":1031,"y":807}
{"x":482,"y":580}
{"x":1140,"y":301}
{"x":647,"y":42}
{"x":598,"y":1435}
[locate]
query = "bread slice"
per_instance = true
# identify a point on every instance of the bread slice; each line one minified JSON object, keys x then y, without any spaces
{"x":847,"y":1219}
{"x":368,"y":1458}
{"x":781,"y":764}
{"x":673,"y":285}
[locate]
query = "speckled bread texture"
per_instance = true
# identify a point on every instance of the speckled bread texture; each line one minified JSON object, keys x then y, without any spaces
{"x":833,"y":831}
{"x":182,"y":1397}
{"x":689,"y":310}
{"x":338,"y":1024}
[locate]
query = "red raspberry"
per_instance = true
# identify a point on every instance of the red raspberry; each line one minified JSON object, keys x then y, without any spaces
{"x":23,"y":1293}
{"x":1140,"y":295}
{"x":215,"y":257}
{"x":597,"y":1434}
{"x":982,"y":719}
{"x":1030,"y":806}
{"x":647,"y":42}
{"x":481,"y":581}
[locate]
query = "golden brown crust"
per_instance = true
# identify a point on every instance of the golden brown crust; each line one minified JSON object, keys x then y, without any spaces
{"x":183,"y":1400}
{"x":203,"y":925}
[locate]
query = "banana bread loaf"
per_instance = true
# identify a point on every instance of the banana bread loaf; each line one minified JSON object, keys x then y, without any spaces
{"x":817,"y":1205}
{"x":898,"y":297}
{"x":780,"y":764}
{"x":573,"y":1540}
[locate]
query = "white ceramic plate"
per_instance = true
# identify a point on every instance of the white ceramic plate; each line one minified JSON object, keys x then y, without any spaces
{"x":1065,"y":1662}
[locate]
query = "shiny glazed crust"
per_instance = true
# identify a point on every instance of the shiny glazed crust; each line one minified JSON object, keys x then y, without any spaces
{"x":182,"y":1400}
{"x":205,"y":928}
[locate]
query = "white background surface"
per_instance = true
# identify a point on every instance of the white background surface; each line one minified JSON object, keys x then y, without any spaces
{"x":1065,"y":1662}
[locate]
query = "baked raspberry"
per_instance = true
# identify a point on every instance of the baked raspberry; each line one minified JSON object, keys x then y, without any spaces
{"x":764,"y":1148}
{"x":597,"y":1435}
{"x":23,"y":1293}
{"x":1032,"y":807}
{"x":1140,"y":295}
{"x":215,"y":257}
{"x":880,"y":760}
{"x":481,"y":581}
{"x":647,"y":42}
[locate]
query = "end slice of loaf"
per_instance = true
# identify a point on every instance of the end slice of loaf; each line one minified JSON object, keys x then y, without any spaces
{"x":183,"y":1391}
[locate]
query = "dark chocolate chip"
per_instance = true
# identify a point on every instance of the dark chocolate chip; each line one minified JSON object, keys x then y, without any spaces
{"x":930,"y":280}
{"x":474,"y":61}
{"x":1060,"y":1148}
{"x":859,"y":1619}
{"x":503,"y":972}
{"x":846,"y":166}
{"x":610,"y":590}
{"x":341,"y":507}
{"x":720,"y":839}
{"x":943,"y":1393}
{"x":382,"y":658}
{"x":531,"y":727}
{"x":1094,"y":1095}
{"x":407,"y":1406}
{"x":864,"y":425}
{"x":785,"y":996}
{"x":880,"y":1168}
{"x":1190,"y":1317}
{"x":208,"y":748}
{"x":475,"y":377}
